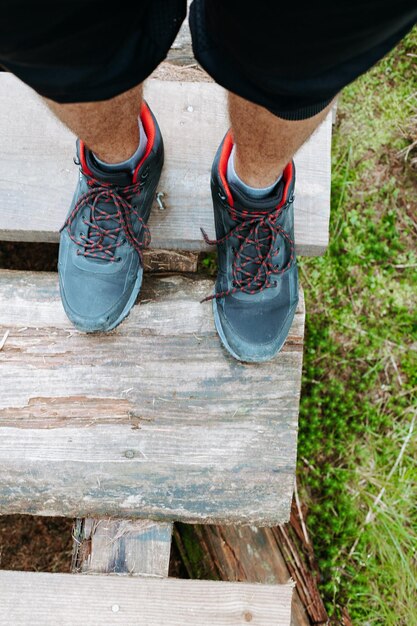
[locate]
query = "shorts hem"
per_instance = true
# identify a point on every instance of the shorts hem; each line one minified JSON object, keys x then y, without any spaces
{"x":304,"y":112}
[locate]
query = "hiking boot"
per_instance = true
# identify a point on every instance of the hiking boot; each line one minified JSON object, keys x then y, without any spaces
{"x":256,"y":292}
{"x":100,"y":255}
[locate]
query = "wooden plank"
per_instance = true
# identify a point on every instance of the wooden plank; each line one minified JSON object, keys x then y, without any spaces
{"x":118,"y":546}
{"x":170,"y":261}
{"x":243,"y":553}
{"x":152,"y":420}
{"x":43,"y":599}
{"x":37,"y":175}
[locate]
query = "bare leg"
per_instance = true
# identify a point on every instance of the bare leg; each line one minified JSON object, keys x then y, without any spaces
{"x":264,"y":142}
{"x":109,"y":127}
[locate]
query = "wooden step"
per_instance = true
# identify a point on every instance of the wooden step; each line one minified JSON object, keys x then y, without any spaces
{"x":43,"y":599}
{"x":38,"y":175}
{"x":153,"y":420}
{"x":122,"y":546}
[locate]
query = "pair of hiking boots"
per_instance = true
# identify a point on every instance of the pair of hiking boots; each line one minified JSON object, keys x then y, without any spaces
{"x":102,"y":241}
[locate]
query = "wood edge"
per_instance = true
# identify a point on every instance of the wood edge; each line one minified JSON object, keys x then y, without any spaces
{"x":164,"y":246}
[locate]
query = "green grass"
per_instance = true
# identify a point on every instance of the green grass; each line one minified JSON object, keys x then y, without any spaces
{"x":358,"y":439}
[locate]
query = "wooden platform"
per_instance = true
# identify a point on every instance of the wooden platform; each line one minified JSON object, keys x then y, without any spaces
{"x":37,"y":174}
{"x":100,"y":600}
{"x":152,"y":420}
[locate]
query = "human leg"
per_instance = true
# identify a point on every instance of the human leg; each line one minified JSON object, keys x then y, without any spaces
{"x":284,"y":63}
{"x":109,"y":128}
{"x":264,"y":142}
{"x":257,"y":286}
{"x":100,"y":263}
{"x":88,"y":61}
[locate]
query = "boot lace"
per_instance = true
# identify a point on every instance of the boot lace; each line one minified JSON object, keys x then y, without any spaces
{"x":253,"y":269}
{"x":104,"y":226}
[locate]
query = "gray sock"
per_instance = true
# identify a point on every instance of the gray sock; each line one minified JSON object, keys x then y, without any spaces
{"x":251,"y":192}
{"x":132,"y":162}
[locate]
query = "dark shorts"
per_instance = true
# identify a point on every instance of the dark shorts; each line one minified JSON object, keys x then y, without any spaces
{"x":290,"y":57}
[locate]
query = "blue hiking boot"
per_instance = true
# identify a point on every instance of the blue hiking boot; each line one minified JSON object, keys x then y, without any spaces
{"x":256,"y":292}
{"x":100,"y":254}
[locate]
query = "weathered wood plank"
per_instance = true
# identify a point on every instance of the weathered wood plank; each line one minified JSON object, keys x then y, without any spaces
{"x":237,"y":554}
{"x":170,"y":261}
{"x":151,"y":420}
{"x":117,"y":546}
{"x":37,"y":175}
{"x":43,"y":599}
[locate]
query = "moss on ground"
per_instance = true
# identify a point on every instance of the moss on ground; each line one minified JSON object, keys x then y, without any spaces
{"x":358,"y":435}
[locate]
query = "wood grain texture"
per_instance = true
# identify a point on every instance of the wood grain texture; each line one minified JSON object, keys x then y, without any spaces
{"x":37,"y":174}
{"x":170,"y":261}
{"x":238,"y":554}
{"x":153,"y":420}
{"x":43,"y":599}
{"x":121,"y":546}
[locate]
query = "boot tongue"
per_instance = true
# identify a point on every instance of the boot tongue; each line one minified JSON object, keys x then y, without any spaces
{"x":243,"y":202}
{"x":105,"y":218}
{"x":121,"y":178}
